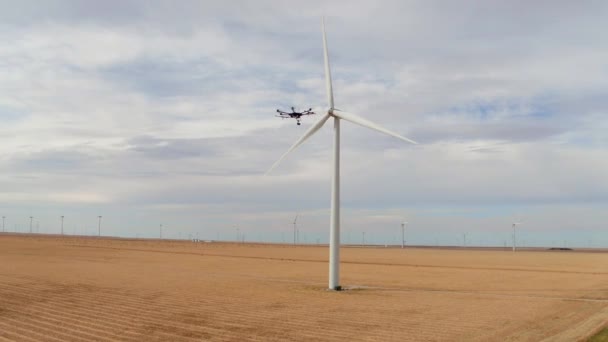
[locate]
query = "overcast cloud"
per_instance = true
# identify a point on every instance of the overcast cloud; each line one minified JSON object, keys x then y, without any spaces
{"x":150,"y":112}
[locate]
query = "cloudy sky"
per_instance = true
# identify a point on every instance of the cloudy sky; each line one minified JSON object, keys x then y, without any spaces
{"x":162,"y":112}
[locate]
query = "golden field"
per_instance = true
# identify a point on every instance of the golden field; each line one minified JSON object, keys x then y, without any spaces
{"x":102,"y":289}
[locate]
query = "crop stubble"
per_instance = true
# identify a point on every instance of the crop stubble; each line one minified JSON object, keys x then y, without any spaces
{"x":88,"y":289}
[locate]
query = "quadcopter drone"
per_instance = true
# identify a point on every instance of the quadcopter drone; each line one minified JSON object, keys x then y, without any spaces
{"x":294,"y":114}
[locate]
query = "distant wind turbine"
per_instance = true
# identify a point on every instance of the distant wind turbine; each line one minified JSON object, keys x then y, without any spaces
{"x":336,"y":114}
{"x":295,"y":229}
{"x":403,"y":224}
{"x":514,"y":224}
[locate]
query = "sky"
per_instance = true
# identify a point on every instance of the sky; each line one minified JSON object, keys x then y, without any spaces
{"x":163,"y":112}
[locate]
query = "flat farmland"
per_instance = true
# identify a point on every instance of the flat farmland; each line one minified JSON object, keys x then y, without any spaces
{"x":97,"y":289}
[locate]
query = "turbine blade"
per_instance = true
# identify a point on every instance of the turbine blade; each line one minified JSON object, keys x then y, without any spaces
{"x":312,"y":130}
{"x":330,"y":92}
{"x":366,"y":123}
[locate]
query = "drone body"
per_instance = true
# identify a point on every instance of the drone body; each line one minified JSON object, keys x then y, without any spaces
{"x":294,"y":114}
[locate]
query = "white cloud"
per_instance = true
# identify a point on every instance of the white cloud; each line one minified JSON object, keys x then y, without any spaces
{"x":166,"y":109}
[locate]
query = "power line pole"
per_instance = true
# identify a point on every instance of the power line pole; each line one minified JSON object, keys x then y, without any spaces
{"x":161,"y":231}
{"x":3,"y":217}
{"x":31,"y":222}
{"x":62,"y":224}
{"x":99,"y":226}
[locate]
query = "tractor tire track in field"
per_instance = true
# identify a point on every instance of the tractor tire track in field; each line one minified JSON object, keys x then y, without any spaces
{"x":474,"y":268}
{"x":89,"y":307}
{"x":93,"y":314}
{"x":85,"y":313}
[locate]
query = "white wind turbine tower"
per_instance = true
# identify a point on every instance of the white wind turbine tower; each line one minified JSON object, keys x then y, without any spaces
{"x":295,"y":229}
{"x":403,"y":224}
{"x":337,"y":115}
{"x":514,"y":224}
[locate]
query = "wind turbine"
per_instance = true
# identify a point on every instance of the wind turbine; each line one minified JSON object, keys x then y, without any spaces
{"x":403,"y":234}
{"x":294,"y":229}
{"x":337,"y":115}
{"x":514,"y":224}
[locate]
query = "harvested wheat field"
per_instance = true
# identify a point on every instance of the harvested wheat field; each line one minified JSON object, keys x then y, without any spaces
{"x":88,"y":289}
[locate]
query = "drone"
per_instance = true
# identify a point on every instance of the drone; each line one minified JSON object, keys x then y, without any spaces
{"x":294,"y":114}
